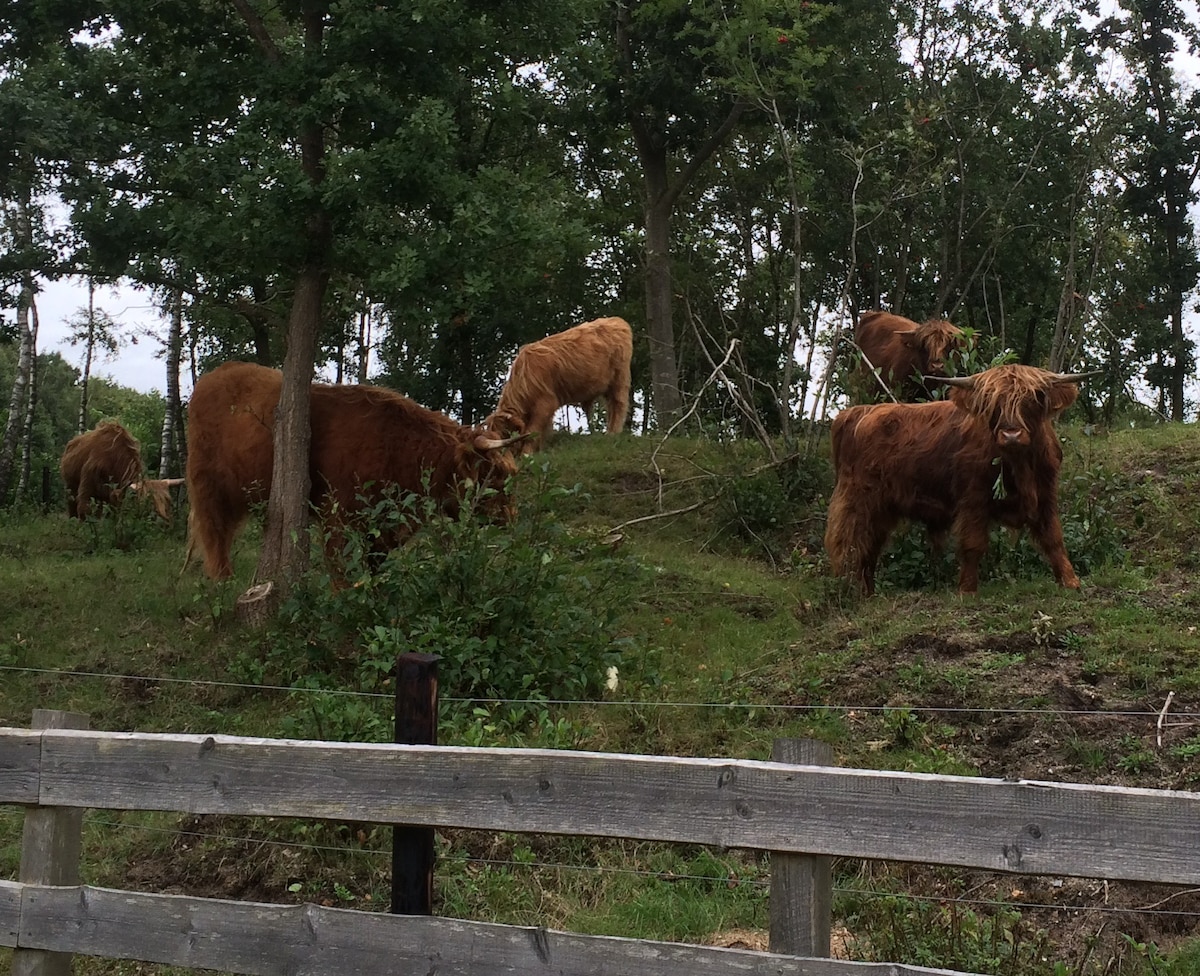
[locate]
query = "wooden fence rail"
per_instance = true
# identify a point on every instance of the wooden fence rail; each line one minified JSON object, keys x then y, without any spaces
{"x":792,"y":809}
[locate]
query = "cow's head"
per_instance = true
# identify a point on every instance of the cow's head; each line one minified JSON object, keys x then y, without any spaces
{"x":505,"y":423}
{"x":486,"y":462}
{"x":158,"y":490}
{"x":1014,"y":401}
{"x":933,"y":342}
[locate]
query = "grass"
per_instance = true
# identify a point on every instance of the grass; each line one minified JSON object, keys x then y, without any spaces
{"x":737,"y":637}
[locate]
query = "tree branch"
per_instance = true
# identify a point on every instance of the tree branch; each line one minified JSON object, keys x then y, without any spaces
{"x":258,"y":30}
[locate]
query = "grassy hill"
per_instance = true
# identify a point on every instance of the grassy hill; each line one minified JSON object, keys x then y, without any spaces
{"x":726,"y":632}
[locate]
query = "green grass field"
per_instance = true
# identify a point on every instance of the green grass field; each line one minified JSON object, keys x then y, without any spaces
{"x":726,"y":633}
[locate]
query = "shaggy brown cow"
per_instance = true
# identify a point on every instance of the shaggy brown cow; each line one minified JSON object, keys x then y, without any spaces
{"x":101,"y":464}
{"x":906,"y":354}
{"x":987,"y":455}
{"x":573,"y":367}
{"x":361,"y":435}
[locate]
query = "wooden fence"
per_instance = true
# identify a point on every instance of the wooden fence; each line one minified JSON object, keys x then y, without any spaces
{"x":803,"y":814}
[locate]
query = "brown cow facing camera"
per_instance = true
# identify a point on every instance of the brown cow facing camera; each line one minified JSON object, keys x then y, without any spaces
{"x":577,"y":366}
{"x":987,"y":455}
{"x":908,"y":356}
{"x":102,"y":464}
{"x":361,"y":436}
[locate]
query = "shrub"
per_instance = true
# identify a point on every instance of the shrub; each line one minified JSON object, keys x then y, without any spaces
{"x":527,"y":611}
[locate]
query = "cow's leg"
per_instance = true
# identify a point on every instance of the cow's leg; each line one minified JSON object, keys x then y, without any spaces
{"x":972,"y":545}
{"x":1048,"y":537}
{"x":83,"y":499}
{"x":587,"y":407}
{"x":617,"y":399}
{"x":854,"y":539}
{"x":541,"y":419}
{"x":213,"y":526}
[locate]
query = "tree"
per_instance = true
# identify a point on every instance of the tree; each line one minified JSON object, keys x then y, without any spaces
{"x":1160,"y":183}
{"x":21,"y":400}
{"x":664,"y":71}
{"x":264,"y":151}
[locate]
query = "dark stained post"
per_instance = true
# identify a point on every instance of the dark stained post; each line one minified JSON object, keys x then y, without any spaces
{"x":801,"y":884}
{"x":50,"y":849}
{"x":416,"y":724}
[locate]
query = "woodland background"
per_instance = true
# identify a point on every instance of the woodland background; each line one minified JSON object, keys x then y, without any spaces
{"x":421,"y":187}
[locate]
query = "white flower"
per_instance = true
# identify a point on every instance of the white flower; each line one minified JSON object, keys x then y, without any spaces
{"x":610,"y":682}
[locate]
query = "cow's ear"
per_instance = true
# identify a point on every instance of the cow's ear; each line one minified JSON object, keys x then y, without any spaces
{"x":1061,"y":396}
{"x":909,"y":338}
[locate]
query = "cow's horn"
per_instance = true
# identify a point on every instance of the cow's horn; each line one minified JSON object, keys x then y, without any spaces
{"x":966,"y":382}
{"x":1077,"y":377}
{"x":485,"y":443}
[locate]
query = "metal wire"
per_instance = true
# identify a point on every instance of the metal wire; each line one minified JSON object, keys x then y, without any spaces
{"x":1177,"y":718}
{"x":672,"y":876}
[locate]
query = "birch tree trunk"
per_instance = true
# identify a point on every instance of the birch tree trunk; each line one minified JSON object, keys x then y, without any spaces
{"x":168,"y":461}
{"x":88,"y":351}
{"x":21,"y":384}
{"x":30,"y":407}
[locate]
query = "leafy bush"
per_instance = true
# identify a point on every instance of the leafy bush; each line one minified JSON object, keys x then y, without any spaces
{"x":527,"y":611}
{"x":761,"y":506}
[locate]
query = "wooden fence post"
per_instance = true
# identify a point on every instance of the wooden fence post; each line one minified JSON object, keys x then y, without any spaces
{"x":416,"y":724}
{"x":801,"y":884}
{"x":50,"y":850}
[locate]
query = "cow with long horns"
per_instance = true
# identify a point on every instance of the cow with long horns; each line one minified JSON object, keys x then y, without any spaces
{"x":365,"y":440}
{"x":907,"y":358}
{"x":988,"y":454}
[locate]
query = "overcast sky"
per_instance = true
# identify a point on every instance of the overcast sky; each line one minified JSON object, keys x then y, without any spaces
{"x":138,"y":363}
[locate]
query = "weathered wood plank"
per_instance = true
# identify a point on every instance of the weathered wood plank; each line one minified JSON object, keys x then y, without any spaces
{"x":1018,"y":826}
{"x":51,"y":842}
{"x":305,"y":940}
{"x":20,"y":760}
{"x":801,"y":902}
{"x":10,"y":913}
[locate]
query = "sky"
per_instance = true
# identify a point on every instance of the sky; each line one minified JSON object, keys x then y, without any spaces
{"x":138,"y":362}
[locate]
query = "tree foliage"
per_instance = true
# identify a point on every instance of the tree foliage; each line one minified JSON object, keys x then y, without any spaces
{"x":475,"y":176}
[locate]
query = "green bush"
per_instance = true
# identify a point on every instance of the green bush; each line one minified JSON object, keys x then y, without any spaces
{"x":526,"y":611}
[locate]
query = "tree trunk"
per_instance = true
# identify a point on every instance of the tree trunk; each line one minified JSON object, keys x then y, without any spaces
{"x":364,"y":338}
{"x":664,"y":371}
{"x":168,"y":461}
{"x":30,"y":406}
{"x":89,"y":348}
{"x":21,"y":383}
{"x":661,"y":197}
{"x":284,"y":555}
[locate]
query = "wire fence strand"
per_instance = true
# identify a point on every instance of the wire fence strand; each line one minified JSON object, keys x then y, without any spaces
{"x":941,"y":900}
{"x":1176,"y":718}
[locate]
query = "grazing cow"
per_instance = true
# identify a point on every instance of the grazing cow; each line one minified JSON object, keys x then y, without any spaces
{"x":987,"y":455}
{"x":573,"y":367}
{"x":907,"y":355}
{"x":364,"y":439}
{"x":100,"y":465}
